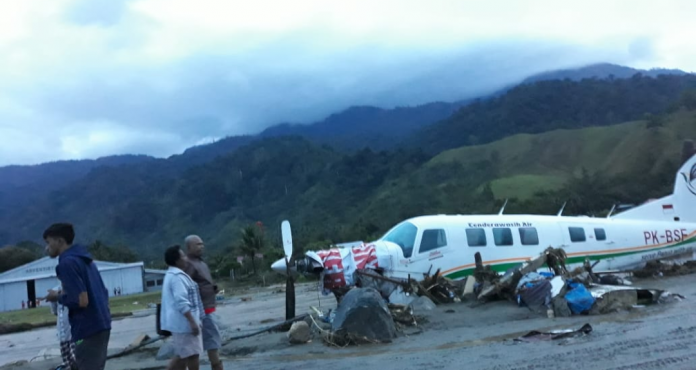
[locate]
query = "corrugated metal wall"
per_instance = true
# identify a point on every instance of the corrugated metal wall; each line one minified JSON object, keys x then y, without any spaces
{"x":129,"y":279}
{"x":13,"y":294}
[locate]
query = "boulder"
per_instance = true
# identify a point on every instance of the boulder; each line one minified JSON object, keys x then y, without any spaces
{"x":363,"y":317}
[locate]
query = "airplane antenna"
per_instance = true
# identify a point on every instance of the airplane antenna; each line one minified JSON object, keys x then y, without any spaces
{"x":502,"y":208}
{"x":562,"y":208}
{"x":613,"y":207}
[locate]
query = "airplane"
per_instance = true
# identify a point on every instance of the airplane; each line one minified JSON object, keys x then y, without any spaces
{"x":654,"y":230}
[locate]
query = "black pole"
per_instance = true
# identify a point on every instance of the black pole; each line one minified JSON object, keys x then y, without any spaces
{"x":289,"y":292}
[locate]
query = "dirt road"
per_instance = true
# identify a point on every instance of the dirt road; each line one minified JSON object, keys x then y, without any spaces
{"x":660,"y":336}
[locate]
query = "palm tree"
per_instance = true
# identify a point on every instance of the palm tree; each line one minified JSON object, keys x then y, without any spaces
{"x":252,"y":243}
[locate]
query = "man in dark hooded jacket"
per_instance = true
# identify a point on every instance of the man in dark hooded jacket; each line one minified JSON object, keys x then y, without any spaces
{"x":83,"y":293}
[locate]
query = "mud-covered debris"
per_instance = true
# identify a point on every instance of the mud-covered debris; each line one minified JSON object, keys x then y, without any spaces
{"x":658,"y":268}
{"x":402,"y":314}
{"x":536,"y":336}
{"x":613,"y":280}
{"x":560,"y":307}
{"x":615,"y":300}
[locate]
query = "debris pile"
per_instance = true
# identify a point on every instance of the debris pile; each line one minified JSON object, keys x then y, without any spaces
{"x":559,"y":292}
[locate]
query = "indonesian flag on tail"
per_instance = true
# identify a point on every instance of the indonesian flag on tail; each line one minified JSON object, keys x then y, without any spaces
{"x":668,"y":208}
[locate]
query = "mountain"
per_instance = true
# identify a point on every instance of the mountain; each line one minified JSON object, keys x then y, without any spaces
{"x":52,"y":175}
{"x":366,"y":126}
{"x":600,"y":71}
{"x":536,"y":137}
{"x":549,"y":105}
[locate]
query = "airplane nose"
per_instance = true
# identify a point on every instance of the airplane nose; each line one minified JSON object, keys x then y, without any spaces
{"x":280,"y":266}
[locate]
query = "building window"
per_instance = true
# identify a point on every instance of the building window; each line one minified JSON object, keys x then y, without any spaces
{"x":432,"y":239}
{"x":150,"y":283}
{"x":476,"y":237}
{"x":577,"y":234}
{"x":529,"y":236}
{"x":502,"y":237}
{"x":159,"y":281}
{"x":600,"y":234}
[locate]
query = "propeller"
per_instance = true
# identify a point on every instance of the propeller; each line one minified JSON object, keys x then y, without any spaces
{"x":286,"y":234}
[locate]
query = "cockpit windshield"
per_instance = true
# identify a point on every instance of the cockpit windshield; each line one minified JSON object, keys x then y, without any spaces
{"x":403,"y":235}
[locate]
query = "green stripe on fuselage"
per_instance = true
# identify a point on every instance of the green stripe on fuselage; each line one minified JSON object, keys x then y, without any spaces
{"x":502,"y":267}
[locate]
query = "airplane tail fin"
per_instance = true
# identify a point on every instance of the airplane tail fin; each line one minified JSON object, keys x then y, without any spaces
{"x":681,"y":205}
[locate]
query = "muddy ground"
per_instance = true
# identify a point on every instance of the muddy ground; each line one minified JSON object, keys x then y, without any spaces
{"x":452,"y":336}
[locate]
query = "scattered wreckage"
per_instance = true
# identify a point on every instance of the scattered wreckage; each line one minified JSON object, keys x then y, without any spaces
{"x":374,"y":307}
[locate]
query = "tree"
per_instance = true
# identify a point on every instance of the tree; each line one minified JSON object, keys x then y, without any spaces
{"x":11,"y":257}
{"x":103,"y":252}
{"x":252,"y":242}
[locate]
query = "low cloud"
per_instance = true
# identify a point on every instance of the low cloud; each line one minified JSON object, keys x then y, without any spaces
{"x":83,"y":79}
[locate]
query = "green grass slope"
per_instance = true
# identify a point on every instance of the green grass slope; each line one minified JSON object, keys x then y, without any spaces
{"x":528,"y":163}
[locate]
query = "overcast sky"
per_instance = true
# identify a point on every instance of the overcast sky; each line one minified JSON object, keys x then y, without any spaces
{"x":88,"y":78}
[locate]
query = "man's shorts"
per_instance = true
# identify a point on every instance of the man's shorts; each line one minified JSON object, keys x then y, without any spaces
{"x":186,"y":344}
{"x":211,"y":333}
{"x":90,"y":353}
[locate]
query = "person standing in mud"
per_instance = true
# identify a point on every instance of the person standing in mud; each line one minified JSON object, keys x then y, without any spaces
{"x":182,"y":312}
{"x":200,"y":273}
{"x":67,"y":346}
{"x":84,"y":295}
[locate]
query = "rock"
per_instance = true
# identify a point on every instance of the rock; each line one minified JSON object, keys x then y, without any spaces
{"x":560,"y":307}
{"x":422,"y":304}
{"x":165,"y":352}
{"x":363,"y":317}
{"x":299,"y":333}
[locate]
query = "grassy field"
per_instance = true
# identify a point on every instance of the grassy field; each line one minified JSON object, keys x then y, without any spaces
{"x":528,"y":163}
{"x":118,"y":305}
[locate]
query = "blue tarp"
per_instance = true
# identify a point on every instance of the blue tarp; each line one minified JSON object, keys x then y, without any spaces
{"x":579,"y":298}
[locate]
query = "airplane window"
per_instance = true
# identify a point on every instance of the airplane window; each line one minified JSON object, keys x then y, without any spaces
{"x":600,"y":234}
{"x":432,"y":239}
{"x":577,"y":234}
{"x":404,"y":235}
{"x":502,"y":237}
{"x":476,"y":237}
{"x":529,"y":236}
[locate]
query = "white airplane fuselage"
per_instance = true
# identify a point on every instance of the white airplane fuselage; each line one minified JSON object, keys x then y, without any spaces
{"x":449,"y":243}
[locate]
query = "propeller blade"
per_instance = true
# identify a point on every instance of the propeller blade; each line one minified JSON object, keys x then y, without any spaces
{"x":286,"y":234}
